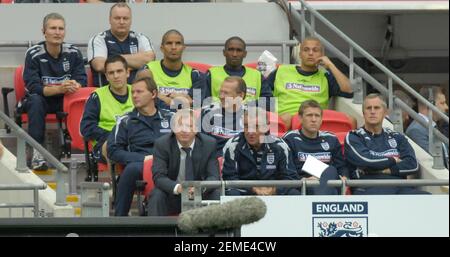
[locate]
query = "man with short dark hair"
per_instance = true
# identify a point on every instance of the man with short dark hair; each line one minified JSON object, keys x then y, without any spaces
{"x":322,"y":145}
{"x":175,"y":80}
{"x":132,"y":140}
{"x":374,"y":152}
{"x":256,"y":155}
{"x":136,"y":48}
{"x":234,"y":52}
{"x":52,"y":69}
{"x":106,"y":104}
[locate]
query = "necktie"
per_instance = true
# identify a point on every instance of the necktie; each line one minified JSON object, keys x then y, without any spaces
{"x":189,"y":167}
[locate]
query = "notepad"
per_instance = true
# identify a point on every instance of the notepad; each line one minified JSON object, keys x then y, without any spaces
{"x":313,"y":166}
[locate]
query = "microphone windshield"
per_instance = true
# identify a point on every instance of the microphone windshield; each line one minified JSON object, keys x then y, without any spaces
{"x":229,"y":215}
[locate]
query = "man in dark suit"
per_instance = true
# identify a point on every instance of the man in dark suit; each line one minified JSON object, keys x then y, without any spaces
{"x":183,"y":155}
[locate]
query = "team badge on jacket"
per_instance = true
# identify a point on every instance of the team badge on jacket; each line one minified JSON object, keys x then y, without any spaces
{"x":270,"y":158}
{"x":165,"y":124}
{"x":325,"y":146}
{"x":133,"y":49}
{"x":66,"y":65}
{"x":392,"y":143}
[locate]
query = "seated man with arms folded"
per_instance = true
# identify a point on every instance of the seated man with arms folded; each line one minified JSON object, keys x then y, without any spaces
{"x":374,"y":152}
{"x":136,"y":48}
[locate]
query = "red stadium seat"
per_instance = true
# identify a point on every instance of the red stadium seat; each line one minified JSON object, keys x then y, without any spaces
{"x":90,"y":78}
{"x":332,"y":121}
{"x":148,"y":177}
{"x":74,"y":107}
{"x":220,"y":160}
{"x":341,"y":137}
{"x":295,"y":122}
{"x":19,"y":87}
{"x":254,"y":65}
{"x":336,"y":121}
{"x":276,"y":124}
{"x":202,"y":67}
{"x":145,"y":187}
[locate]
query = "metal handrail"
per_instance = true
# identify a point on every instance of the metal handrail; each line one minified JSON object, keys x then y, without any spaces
{"x":380,"y":87}
{"x":22,"y":138}
{"x":334,"y":183}
{"x":187,"y":43}
{"x":435,"y":147}
{"x":372,"y":59}
{"x":22,"y":187}
{"x":34,"y":205}
{"x":284,"y":44}
{"x":314,"y":183}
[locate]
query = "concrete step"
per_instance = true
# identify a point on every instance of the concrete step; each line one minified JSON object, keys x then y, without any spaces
{"x":77,"y":211}
{"x":73,"y":199}
{"x":48,"y":176}
{"x":52,"y":185}
{"x":49,"y":172}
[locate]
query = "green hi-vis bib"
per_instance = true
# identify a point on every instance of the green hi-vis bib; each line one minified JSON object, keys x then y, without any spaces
{"x":166,"y":84}
{"x":110,"y":108}
{"x":292,"y":89}
{"x":251,"y":77}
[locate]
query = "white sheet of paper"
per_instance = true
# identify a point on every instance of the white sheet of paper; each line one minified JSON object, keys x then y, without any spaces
{"x":314,"y":166}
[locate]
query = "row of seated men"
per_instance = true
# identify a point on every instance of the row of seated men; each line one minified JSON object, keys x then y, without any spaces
{"x":53,"y":62}
{"x":183,"y":153}
{"x":103,"y":1}
{"x":135,"y":136}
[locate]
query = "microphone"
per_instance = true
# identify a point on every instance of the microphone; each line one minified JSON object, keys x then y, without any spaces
{"x":229,"y":215}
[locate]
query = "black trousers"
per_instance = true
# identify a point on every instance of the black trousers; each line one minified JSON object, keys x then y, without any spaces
{"x":37,"y":107}
{"x":161,"y":203}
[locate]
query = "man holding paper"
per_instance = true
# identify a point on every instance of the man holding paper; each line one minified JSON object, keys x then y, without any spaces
{"x":254,"y":155}
{"x":374,"y":152}
{"x":316,"y":154}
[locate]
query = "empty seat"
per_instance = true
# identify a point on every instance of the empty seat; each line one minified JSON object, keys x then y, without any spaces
{"x":90,"y":78}
{"x":148,"y":177}
{"x":276,"y":125}
{"x":332,"y":121}
{"x":74,"y":108}
{"x":220,"y":160}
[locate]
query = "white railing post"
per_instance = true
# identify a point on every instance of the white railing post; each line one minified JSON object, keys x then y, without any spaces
{"x":302,"y":33}
{"x":395,"y":113}
{"x":21,"y":161}
{"x":60,"y":189}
